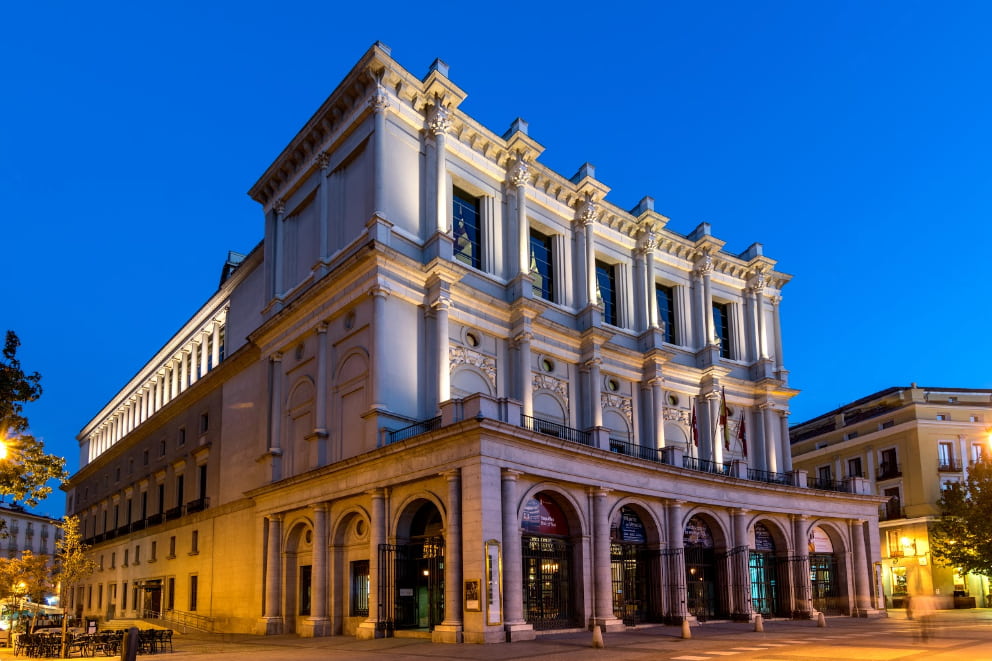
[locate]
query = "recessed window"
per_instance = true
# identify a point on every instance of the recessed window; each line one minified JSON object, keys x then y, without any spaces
{"x":673,"y":399}
{"x":542,"y":265}
{"x":181,"y":437}
{"x":172,"y":546}
{"x":466,"y":228}
{"x":360,"y":588}
{"x":204,"y":422}
{"x":161,"y":448}
{"x":471,"y":339}
{"x":721,"y":327}
{"x":606,"y":284}
{"x":547,"y":365}
{"x":612,"y":384}
{"x":849,"y":435}
{"x":942,"y":416}
{"x":308,"y":537}
{"x":975,"y":418}
{"x":887,"y":424}
{"x":144,"y":458}
{"x":854,"y":467}
{"x":665,"y":297}
{"x":194,"y":545}
{"x":193,"y":589}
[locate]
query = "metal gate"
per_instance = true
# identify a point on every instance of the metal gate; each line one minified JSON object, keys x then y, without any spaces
{"x":823,"y":575}
{"x":547,"y":582}
{"x":764,"y":584}
{"x":411,"y":584}
{"x":631,"y":587}
{"x":673,"y":592}
{"x":797,"y":569}
{"x":737,"y":571}
{"x":700,"y":582}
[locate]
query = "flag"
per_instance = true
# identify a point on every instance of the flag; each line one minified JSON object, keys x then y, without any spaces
{"x":742,"y":435}
{"x":695,"y":428}
{"x":723,"y":419}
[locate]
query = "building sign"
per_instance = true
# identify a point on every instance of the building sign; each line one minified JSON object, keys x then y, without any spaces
{"x":819,"y":542}
{"x":763,"y":538}
{"x":697,"y":533}
{"x":542,"y":516}
{"x":627,"y":527}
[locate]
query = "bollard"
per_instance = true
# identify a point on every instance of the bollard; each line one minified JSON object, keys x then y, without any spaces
{"x":759,"y":623}
{"x":597,"y":637}
{"x":821,"y":621}
{"x":686,"y":632}
{"x":129,"y":645}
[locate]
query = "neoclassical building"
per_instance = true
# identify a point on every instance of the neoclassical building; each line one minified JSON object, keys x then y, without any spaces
{"x":455,"y":393}
{"x":910,"y":443}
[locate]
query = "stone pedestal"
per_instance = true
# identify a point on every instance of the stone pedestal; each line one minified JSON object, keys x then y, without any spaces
{"x":269,"y":626}
{"x":519,"y":631}
{"x":369,"y":630}
{"x":609,"y":624}
{"x":316,"y":627}
{"x":447,"y":633}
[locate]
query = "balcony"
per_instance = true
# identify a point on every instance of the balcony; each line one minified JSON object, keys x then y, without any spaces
{"x":767,"y":477}
{"x":888,"y":470}
{"x":633,"y":450}
{"x":174,"y":513}
{"x":415,"y":429}
{"x":891,"y":511}
{"x":949,"y":466}
{"x":827,"y":485}
{"x":705,"y":466}
{"x":555,"y":429}
{"x":197,"y":505}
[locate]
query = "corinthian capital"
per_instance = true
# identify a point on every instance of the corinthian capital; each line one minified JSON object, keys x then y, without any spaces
{"x":704,"y":265}
{"x":439,"y":120}
{"x":379,"y":101}
{"x":322,"y":160}
{"x":758,"y":283}
{"x":519,"y":173}
{"x":586,"y":212}
{"x":280,"y":206}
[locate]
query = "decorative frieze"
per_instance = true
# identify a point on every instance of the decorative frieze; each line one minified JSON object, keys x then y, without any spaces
{"x":551,"y":384}
{"x":611,"y":400}
{"x":459,"y":355}
{"x":676,"y":415}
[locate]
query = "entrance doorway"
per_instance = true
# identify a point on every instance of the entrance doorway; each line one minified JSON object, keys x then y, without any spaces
{"x":633,"y":592}
{"x":703,"y":574}
{"x":412,"y":587}
{"x":547,"y":565}
{"x":823,"y":573}
{"x":764,"y":572}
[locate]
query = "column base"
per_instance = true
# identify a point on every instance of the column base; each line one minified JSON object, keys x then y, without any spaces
{"x":519,"y":631}
{"x":608,"y":624}
{"x":315,"y":627}
{"x":269,"y":626}
{"x":369,"y":630}
{"x":447,"y":633}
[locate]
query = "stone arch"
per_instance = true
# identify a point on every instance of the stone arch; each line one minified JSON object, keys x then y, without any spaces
{"x":573,"y":512}
{"x":298,"y":456}
{"x":349,"y":405}
{"x":467,"y":380}
{"x":550,"y":406}
{"x":354,"y":364}
{"x":297,"y":567}
{"x":407,"y":510}
{"x":838,"y":534}
{"x":652,"y":526}
{"x":675,"y":435}
{"x":719,"y":528}
{"x":779,"y":531}
{"x":616,"y":421}
{"x":350,"y":553}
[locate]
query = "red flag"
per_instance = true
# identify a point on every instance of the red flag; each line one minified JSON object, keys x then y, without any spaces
{"x":742,"y":434}
{"x":723,"y":419}
{"x":695,"y":429}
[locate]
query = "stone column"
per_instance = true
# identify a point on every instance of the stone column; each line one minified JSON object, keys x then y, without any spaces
{"x":278,"y":209}
{"x":802,"y":589}
{"x":602,"y":565}
{"x":215,"y":349}
{"x":518,"y":176}
{"x":319,"y":624}
{"x":595,"y":393}
{"x":861,"y":579}
{"x":380,"y":105}
{"x":204,"y":343}
{"x":441,"y":306}
{"x":272,"y":619}
{"x":377,"y":537}
{"x":275,"y":411}
{"x":450,"y":630}
{"x":183,"y":370}
{"x":761,"y":341}
{"x":320,"y":406}
{"x":785,"y":445}
{"x":193,"y":361}
{"x":658,"y":414}
{"x":513,"y":595}
{"x":439,"y":124}
{"x":742,"y":543}
{"x":770,"y":444}
{"x":587,"y":218}
{"x":524,"y":375}
{"x":380,"y":339}
{"x":715,"y":435}
{"x":777,"y":332}
{"x":676,"y":564}
{"x":173,"y":380}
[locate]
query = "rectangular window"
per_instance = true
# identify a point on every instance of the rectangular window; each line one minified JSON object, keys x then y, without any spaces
{"x":170,"y":599}
{"x":542,"y":265}
{"x":850,"y":435}
{"x":823,"y":472}
{"x":161,"y":498}
{"x":124,"y":597}
{"x":721,"y":327}
{"x":99,"y":596}
{"x":306,"y":574}
{"x":889,"y":465}
{"x":203,"y":481}
{"x":137,"y":554}
{"x":89,"y":596}
{"x":194,"y":545}
{"x":945,"y":455}
{"x":113,"y":559}
{"x":977,"y":452}
{"x":665,"y":297}
{"x":144,"y":505}
{"x":887,"y":424}
{"x":125,"y":558}
{"x":854,"y":467}
{"x":172,"y":546}
{"x":204,"y":422}
{"x":360,"y":587}
{"x":154,"y":552}
{"x":606,"y":284}
{"x":179,"y":491}
{"x":144,"y":457}
{"x":181,"y":437}
{"x":193,"y":586}
{"x":942,"y":417}
{"x":466,"y":228}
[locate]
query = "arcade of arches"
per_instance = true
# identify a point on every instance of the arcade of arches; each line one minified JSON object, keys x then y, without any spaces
{"x":558,"y":557}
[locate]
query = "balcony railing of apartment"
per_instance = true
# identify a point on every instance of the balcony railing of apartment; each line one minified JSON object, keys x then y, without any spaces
{"x":890,"y":511}
{"x":888,"y":470}
{"x":191,"y":507}
{"x":767,"y":476}
{"x":952,"y":466}
{"x":415,"y":429}
{"x":827,"y":485}
{"x":555,"y":429}
{"x":633,"y":450}
{"x":174,"y":513}
{"x":705,"y":466}
{"x":197,"y":505}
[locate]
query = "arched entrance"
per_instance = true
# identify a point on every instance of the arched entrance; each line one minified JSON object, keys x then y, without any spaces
{"x":547,"y":553}
{"x":634,"y":569}
{"x":764,"y":572}
{"x":298,"y":576}
{"x":412,"y":588}
{"x":823,"y":573}
{"x":704,"y":575}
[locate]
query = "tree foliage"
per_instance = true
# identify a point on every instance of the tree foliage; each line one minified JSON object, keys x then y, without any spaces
{"x":28,"y":577}
{"x":72,"y":565}
{"x":25,"y":469}
{"x":962,"y":537}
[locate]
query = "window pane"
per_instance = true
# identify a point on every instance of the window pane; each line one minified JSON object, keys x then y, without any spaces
{"x":541,"y":269}
{"x":466,"y":228}
{"x":606,"y":282}
{"x":665,"y":297}
{"x":721,"y":326}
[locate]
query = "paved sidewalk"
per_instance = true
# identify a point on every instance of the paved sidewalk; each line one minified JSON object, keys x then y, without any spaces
{"x":957,"y":636}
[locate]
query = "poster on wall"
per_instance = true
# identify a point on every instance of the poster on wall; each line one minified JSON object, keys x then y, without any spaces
{"x":542,"y":516}
{"x":472,"y":600}
{"x":494,"y":577}
{"x":627,"y":527}
{"x":819,"y":542}
{"x":697,"y":533}
{"x":763,"y":538}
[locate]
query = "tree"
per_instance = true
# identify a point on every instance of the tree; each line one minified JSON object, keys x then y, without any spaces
{"x":25,"y":469}
{"x":962,"y":536}
{"x":72,"y":565}
{"x":28,"y":577}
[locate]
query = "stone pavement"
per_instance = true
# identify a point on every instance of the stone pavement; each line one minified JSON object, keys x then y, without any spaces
{"x":956,"y":636}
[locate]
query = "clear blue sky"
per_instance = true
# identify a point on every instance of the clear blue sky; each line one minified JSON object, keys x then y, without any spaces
{"x":852,"y":139}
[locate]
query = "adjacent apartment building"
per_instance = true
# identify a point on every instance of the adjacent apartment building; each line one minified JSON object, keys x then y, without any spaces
{"x":455,"y":392}
{"x":22,"y":530}
{"x":909,"y":442}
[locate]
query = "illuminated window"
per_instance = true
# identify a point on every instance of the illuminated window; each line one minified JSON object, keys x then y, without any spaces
{"x":360,"y":587}
{"x":466,"y":227}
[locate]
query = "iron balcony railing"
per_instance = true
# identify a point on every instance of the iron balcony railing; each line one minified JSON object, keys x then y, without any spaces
{"x":415,"y":429}
{"x":197,"y":505}
{"x":705,"y":465}
{"x":826,"y":484}
{"x":890,"y":511}
{"x":768,"y":477}
{"x":555,"y":429}
{"x":950,"y":466}
{"x":633,"y":450}
{"x":888,"y":469}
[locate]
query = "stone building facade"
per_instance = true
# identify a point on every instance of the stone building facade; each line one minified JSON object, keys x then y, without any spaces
{"x":455,"y":392}
{"x":909,"y":443}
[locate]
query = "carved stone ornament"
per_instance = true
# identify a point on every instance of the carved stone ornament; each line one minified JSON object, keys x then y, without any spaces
{"x":758,"y":283}
{"x":649,"y":243}
{"x":519,"y":173}
{"x":280,"y":206}
{"x":379,"y":101}
{"x":676,"y":415}
{"x":704,"y":265}
{"x":439,"y":120}
{"x":462,"y":356}
{"x":551,"y":384}
{"x":322,"y":160}
{"x":586,"y":212}
{"x":619,"y":402}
